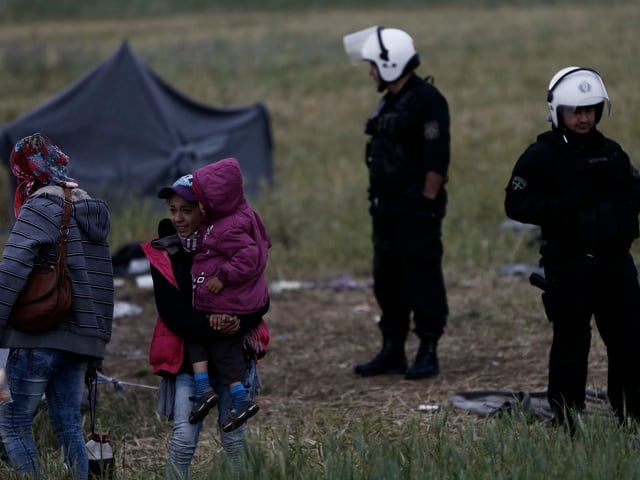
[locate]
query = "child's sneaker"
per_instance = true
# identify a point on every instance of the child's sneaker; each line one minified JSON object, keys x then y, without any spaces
{"x":240,"y":414}
{"x":206,"y":402}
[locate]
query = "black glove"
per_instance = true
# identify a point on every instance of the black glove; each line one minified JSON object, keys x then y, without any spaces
{"x":428,"y":207}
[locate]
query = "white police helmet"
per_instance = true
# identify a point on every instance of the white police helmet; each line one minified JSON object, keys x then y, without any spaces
{"x":574,"y":87}
{"x":390,"y":49}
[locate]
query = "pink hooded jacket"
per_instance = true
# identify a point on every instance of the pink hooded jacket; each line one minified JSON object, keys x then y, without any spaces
{"x":233,"y":245}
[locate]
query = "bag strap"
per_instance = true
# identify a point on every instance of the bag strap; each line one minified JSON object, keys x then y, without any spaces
{"x":64,"y":227}
{"x":92,"y":387}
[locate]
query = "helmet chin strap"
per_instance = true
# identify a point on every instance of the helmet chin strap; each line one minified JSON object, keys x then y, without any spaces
{"x":382,"y":84}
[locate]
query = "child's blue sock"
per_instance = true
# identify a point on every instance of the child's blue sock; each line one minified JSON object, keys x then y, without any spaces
{"x":202,"y":382}
{"x":238,"y":394}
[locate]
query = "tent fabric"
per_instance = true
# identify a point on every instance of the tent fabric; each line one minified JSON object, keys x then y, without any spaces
{"x":128,"y":132}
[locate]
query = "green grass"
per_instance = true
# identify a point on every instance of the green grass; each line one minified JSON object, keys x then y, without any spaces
{"x":373,"y":448}
{"x":492,"y":60}
{"x":16,"y":10}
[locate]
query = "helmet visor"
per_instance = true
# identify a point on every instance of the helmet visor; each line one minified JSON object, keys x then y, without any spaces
{"x":584,"y":102}
{"x":354,"y":43}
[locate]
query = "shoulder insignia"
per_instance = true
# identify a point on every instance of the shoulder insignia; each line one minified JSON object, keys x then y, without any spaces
{"x":431,"y":130}
{"x":518,"y":183}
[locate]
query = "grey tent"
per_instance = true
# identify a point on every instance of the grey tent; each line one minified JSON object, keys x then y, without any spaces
{"x":128,"y":132}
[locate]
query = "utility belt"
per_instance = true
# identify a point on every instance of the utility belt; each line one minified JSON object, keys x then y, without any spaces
{"x":406,"y":199}
{"x":577,"y":264}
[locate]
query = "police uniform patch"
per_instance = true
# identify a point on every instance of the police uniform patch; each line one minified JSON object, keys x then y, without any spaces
{"x":431,"y":130}
{"x":518,"y":183}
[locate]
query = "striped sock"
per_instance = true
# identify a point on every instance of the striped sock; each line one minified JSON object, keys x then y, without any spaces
{"x":202,"y":382}
{"x":238,"y":394}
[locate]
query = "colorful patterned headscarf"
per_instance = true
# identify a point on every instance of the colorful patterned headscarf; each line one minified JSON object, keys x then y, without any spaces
{"x":36,"y":161}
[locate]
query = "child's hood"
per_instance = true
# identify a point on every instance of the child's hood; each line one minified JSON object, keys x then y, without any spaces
{"x":219,"y":187}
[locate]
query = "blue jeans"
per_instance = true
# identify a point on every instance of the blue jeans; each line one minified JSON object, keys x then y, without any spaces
{"x":185,"y":435}
{"x":58,"y":375}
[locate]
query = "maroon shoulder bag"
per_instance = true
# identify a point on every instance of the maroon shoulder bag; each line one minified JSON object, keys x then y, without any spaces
{"x":46,"y":298}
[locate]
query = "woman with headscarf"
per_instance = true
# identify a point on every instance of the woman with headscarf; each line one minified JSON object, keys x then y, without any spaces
{"x":53,"y":363}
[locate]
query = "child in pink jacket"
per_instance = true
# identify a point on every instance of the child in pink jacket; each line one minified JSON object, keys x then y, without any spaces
{"x":228,"y":278}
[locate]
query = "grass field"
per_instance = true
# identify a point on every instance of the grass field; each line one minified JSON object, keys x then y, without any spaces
{"x":493,"y":62}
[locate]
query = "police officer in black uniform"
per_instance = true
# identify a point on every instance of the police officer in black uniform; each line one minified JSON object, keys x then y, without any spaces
{"x":582,"y":190}
{"x":407,"y":157}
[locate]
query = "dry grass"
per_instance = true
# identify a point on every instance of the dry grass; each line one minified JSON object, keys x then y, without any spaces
{"x":497,"y":339}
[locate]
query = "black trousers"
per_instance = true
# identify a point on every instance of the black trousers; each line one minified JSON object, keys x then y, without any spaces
{"x":609,"y":292}
{"x":407,"y":275}
{"x":224,"y":354}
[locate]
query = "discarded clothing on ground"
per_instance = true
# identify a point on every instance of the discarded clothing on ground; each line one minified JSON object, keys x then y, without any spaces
{"x":492,"y":402}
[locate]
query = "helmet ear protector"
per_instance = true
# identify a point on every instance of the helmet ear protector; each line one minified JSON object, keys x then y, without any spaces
{"x":565,"y":75}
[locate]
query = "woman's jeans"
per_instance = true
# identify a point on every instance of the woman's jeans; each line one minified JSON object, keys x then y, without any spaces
{"x":185,"y":435}
{"x":58,"y":375}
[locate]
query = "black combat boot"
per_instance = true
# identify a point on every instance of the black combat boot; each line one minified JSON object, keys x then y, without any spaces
{"x":391,"y":359}
{"x":426,"y":363}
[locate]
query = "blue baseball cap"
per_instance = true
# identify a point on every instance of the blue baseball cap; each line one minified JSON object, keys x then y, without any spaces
{"x":182,"y":186}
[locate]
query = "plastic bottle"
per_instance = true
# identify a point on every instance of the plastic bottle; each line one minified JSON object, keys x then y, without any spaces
{"x":100,"y":453}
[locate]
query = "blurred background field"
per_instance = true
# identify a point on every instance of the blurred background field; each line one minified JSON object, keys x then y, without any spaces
{"x":493,"y":60}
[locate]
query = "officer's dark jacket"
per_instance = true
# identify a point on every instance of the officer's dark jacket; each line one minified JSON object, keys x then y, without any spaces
{"x":581,"y":190}
{"x":409,"y":136}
